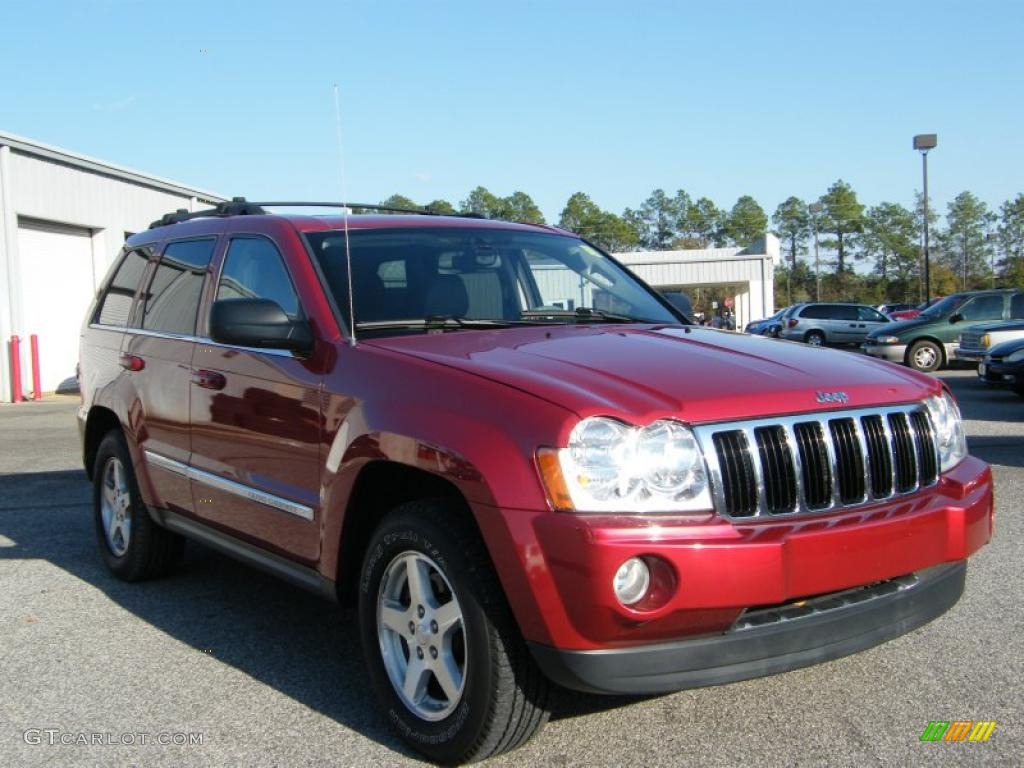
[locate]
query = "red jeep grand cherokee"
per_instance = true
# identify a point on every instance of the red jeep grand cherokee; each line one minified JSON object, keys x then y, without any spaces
{"x":523,"y":461}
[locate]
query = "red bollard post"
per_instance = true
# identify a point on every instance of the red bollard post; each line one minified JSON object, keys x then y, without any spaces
{"x":16,"y":369}
{"x":37,"y":390}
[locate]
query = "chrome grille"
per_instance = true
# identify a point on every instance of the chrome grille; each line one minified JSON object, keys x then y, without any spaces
{"x":818,"y":462}
{"x":970,"y":340}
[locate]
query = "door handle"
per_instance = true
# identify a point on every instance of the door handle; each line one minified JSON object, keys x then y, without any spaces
{"x":209,"y":379}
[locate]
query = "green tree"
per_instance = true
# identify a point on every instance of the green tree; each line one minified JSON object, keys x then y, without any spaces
{"x":655,"y":221}
{"x":842,"y":215}
{"x":483,"y":202}
{"x":890,"y":241}
{"x":399,"y":201}
{"x":793,"y":224}
{"x":746,"y":222}
{"x":519,"y":206}
{"x":704,"y":223}
{"x":584,"y":217}
{"x":964,"y":246}
{"x":441,"y":206}
{"x":1010,"y":234}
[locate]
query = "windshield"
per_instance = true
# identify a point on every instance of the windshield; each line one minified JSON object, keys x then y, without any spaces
{"x":944,"y":307}
{"x":457,"y":278}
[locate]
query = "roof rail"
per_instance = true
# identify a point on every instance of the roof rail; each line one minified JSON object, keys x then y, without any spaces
{"x":353,"y":206}
{"x":239,"y":206}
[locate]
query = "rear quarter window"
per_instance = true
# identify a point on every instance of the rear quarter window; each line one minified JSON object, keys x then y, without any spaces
{"x":116,"y":305}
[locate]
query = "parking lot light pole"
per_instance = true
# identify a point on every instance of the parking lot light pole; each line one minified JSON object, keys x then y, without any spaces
{"x":815,"y":209}
{"x":922,"y":143}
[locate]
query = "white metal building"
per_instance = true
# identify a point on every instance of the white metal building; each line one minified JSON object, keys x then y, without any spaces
{"x":63,"y":218}
{"x":748,"y":274}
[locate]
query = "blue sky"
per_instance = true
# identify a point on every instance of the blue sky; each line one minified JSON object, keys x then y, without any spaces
{"x":614,"y":99}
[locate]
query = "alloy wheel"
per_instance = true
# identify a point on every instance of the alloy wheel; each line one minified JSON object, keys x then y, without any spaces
{"x":422,"y":636}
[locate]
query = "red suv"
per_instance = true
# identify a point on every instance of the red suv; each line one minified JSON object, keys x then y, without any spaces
{"x":523,"y":463}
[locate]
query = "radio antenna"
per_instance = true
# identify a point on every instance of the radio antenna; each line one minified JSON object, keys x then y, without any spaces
{"x":344,"y":218}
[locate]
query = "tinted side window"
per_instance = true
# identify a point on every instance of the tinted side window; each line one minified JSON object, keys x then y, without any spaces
{"x":871,"y":315}
{"x":983,"y":308}
{"x":254,"y":269}
{"x":172,"y":300}
{"x":1017,"y":306}
{"x":116,"y":304}
{"x":815,"y":312}
{"x":843,"y":312}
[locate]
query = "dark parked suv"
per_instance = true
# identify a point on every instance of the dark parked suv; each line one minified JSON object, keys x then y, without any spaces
{"x":518,"y":459}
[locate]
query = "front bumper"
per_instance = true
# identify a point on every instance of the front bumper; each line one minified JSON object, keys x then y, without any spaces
{"x":785,"y":640}
{"x":558,"y":569}
{"x":894,"y":353}
{"x":999,"y":371}
{"x":969,"y":355}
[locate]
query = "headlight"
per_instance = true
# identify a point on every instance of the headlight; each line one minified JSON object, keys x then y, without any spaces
{"x":986,"y":340}
{"x":609,"y":466}
{"x":1015,"y":357}
{"x":949,"y":430}
{"x":885,"y":339}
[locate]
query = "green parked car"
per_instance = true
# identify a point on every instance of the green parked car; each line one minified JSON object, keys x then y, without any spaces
{"x":930,"y":340}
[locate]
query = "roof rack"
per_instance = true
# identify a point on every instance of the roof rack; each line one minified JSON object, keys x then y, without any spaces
{"x":239,"y":206}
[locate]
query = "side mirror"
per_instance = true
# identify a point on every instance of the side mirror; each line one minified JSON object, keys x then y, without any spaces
{"x":681,"y":303}
{"x":956,"y":317}
{"x":259,"y":323}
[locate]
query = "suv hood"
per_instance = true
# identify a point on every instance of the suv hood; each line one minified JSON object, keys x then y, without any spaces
{"x":1001,"y":325}
{"x":641,"y":373}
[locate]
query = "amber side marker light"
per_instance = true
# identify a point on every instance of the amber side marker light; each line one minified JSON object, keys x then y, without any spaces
{"x":553,"y":480}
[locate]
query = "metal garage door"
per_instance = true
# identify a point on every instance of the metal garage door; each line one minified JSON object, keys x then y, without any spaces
{"x":57,"y":284}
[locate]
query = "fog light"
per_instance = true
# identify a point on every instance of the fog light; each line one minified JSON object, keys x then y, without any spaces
{"x":631,"y":581}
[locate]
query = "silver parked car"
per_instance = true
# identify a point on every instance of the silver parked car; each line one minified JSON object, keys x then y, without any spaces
{"x":819,"y":323}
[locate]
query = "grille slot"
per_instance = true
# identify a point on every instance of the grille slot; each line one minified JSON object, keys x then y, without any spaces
{"x":903,"y":450}
{"x":738,"y":476}
{"x":779,"y":472}
{"x":849,"y":460}
{"x":925,"y":439}
{"x":815,"y":463}
{"x":879,"y":457}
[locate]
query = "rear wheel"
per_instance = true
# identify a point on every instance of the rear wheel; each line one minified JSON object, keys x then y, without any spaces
{"x":924,"y":356}
{"x":815,"y":339}
{"x":133,"y":546}
{"x":444,"y":655}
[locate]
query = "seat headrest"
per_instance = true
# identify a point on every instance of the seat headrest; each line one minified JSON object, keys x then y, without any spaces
{"x":446,"y":296}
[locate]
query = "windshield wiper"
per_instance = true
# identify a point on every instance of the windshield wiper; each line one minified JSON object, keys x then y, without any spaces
{"x":432,"y":322}
{"x":582,"y":315}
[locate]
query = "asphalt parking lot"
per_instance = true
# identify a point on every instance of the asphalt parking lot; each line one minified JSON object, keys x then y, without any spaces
{"x":269,"y":675}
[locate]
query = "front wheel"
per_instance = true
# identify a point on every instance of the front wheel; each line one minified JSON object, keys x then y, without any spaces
{"x":924,"y":356}
{"x":444,"y":655}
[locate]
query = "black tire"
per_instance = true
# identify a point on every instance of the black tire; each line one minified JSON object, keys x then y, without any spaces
{"x":1018,"y":385}
{"x":925,"y":356}
{"x":503,"y":699}
{"x":149,"y":551}
{"x":815,"y":338}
